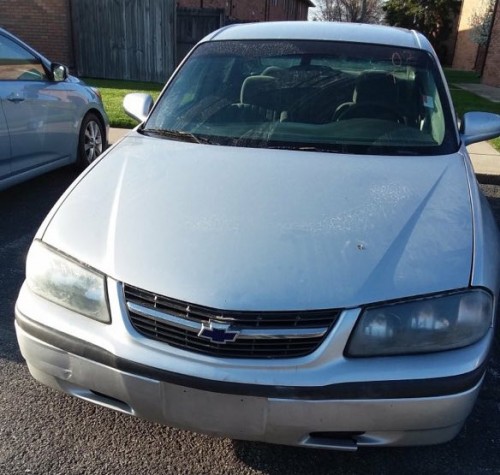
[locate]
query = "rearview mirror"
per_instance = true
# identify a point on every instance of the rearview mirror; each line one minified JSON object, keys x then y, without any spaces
{"x":479,"y":126}
{"x":138,"y":105}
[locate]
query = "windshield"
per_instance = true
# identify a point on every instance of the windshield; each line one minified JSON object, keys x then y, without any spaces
{"x":308,"y":95}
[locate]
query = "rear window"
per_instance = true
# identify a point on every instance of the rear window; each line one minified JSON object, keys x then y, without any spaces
{"x":309,"y":95}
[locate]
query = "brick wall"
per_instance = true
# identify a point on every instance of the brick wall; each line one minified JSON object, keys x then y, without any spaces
{"x":248,"y":10}
{"x":466,"y":50}
{"x":287,"y":10}
{"x":203,"y":4}
{"x":254,"y":10}
{"x":491,"y":74}
{"x":44,"y":24}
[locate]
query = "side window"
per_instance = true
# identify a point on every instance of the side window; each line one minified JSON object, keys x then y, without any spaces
{"x":17,"y":64}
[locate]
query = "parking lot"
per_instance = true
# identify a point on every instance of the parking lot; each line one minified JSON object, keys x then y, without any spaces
{"x":45,"y":432}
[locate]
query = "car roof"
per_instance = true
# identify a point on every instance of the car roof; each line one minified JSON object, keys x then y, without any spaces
{"x":326,"y":31}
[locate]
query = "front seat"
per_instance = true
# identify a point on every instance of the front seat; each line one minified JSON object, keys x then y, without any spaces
{"x":375,"y":96}
{"x":258,"y":97}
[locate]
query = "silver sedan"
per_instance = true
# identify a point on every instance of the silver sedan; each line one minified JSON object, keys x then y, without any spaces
{"x":291,"y":247}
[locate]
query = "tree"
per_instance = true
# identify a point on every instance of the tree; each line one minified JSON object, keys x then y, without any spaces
{"x":480,"y":22}
{"x":433,"y":18}
{"x":356,"y":11}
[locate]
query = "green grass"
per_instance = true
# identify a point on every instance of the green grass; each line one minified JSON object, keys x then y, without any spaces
{"x":465,"y":101}
{"x":496,"y":143}
{"x":455,"y":76}
{"x":114,"y":91}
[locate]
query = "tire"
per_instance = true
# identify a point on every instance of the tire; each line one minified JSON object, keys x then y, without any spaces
{"x":91,"y":142}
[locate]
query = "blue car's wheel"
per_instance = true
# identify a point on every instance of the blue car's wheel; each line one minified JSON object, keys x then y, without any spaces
{"x":91,"y":141}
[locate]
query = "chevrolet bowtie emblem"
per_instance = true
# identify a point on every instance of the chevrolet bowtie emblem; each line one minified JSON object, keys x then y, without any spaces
{"x":218,"y":332}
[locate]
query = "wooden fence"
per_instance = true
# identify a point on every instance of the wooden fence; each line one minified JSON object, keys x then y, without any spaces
{"x":124,"y":39}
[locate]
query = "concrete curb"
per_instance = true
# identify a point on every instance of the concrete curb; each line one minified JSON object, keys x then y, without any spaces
{"x":488,"y":179}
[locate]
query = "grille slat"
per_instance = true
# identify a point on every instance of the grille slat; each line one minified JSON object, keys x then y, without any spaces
{"x":152,"y":325}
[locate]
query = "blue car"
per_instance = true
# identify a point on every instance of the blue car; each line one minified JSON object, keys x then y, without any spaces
{"x":48,"y":119}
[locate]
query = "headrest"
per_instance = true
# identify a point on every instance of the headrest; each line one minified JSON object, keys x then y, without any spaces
{"x":375,"y":86}
{"x":256,"y":90}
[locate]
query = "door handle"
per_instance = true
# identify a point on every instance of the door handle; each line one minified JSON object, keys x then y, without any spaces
{"x":15,"y":98}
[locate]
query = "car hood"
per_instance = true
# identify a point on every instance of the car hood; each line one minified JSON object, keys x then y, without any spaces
{"x":256,"y":229}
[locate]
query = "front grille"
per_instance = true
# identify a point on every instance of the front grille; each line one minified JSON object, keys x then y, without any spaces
{"x":258,"y":334}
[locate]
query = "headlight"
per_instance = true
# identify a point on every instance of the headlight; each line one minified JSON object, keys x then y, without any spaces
{"x":66,"y":282}
{"x":425,"y":325}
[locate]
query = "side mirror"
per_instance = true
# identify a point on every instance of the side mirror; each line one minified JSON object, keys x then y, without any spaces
{"x":479,"y":126}
{"x":138,"y":105}
{"x":59,"y":72}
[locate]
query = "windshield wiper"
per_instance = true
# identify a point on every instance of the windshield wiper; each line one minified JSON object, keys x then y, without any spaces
{"x":313,"y":148}
{"x":305,"y":148}
{"x":177,"y":135}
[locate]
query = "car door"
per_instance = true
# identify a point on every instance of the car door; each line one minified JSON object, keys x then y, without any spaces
{"x":39,"y":113}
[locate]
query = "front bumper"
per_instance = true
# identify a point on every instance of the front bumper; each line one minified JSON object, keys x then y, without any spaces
{"x":339,"y":416}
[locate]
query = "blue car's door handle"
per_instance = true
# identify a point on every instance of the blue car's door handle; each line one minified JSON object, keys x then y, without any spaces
{"x":15,"y":98}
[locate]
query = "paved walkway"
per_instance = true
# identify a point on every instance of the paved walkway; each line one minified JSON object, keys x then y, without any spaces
{"x":486,"y":162}
{"x":116,"y":134}
{"x":488,"y":92}
{"x":485,"y":158}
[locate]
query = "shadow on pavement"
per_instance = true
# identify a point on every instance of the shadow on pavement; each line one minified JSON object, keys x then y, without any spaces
{"x":22,"y":210}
